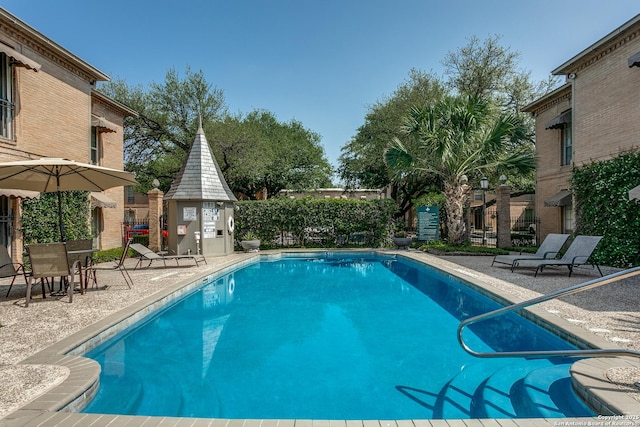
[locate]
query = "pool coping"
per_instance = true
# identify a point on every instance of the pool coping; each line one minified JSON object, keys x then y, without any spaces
{"x":56,"y":406}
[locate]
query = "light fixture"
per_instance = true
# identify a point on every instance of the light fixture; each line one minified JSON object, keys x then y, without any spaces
{"x":503,"y":179}
{"x":484,"y":183}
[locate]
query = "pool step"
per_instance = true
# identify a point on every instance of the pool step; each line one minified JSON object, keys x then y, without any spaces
{"x":494,"y":399}
{"x":519,"y":389}
{"x":455,"y":400}
{"x":542,"y":398}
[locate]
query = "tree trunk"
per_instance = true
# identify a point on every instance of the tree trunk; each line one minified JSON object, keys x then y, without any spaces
{"x":454,"y":203}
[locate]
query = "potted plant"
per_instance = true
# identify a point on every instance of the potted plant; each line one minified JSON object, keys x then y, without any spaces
{"x":401,"y":239}
{"x":250,"y":242}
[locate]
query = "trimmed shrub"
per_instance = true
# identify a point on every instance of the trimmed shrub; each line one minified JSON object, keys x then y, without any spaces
{"x":40,"y":220}
{"x":603,"y":208}
{"x":309,"y":222}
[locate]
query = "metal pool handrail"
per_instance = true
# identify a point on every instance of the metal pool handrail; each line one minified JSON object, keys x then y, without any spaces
{"x":611,"y":278}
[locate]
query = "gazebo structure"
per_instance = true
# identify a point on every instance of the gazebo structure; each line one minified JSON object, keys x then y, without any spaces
{"x":200,"y":205}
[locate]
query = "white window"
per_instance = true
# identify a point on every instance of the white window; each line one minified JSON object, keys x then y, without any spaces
{"x":130,"y":194}
{"x":6,"y":98}
{"x":96,"y":226}
{"x":567,"y":219}
{"x":95,"y":146}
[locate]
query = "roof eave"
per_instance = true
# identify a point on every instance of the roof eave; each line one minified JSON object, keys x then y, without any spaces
{"x":126,"y":111}
{"x":531,"y":107}
{"x":55,"y":47}
{"x":570,"y":65}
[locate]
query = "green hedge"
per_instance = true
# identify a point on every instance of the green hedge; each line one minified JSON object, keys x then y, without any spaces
{"x":40,"y":220}
{"x":316,"y":222}
{"x":603,"y":208}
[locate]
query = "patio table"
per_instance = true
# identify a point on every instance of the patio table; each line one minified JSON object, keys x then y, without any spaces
{"x":85,"y":256}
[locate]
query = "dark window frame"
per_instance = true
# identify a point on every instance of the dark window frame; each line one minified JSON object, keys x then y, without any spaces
{"x":566,"y":141}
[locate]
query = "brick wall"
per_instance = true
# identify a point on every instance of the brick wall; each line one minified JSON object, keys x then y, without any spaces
{"x":52,"y":114}
{"x":53,"y":110}
{"x":551,"y":176}
{"x":605,"y":118}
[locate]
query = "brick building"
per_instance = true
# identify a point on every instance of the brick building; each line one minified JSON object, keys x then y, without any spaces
{"x":592,"y":117}
{"x":49,"y":107}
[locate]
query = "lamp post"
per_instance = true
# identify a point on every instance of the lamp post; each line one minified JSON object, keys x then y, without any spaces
{"x":484,"y":184}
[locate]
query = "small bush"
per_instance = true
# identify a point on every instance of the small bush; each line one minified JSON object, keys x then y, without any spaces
{"x":109,"y":255}
{"x":444,"y":247}
{"x":521,"y":239}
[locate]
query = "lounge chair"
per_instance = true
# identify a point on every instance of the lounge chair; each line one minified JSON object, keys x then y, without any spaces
{"x":8,"y":268}
{"x":50,"y":260}
{"x":549,"y":248}
{"x":119,"y":265}
{"x":577,"y":254}
{"x":146,"y":254}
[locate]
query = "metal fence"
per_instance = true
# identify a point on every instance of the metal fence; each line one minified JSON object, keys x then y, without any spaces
{"x":321,"y":237}
{"x":138,"y":231}
{"x":524,"y":230}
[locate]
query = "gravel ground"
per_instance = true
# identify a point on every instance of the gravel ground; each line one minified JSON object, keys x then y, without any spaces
{"x":612,"y":312}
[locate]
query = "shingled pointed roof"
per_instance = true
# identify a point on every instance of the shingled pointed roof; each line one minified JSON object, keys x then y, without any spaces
{"x":200,"y":177}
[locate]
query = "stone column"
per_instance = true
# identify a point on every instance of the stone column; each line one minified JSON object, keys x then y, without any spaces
{"x":503,"y":212}
{"x":155,"y":212}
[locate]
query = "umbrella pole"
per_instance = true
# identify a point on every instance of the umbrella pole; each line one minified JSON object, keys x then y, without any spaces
{"x":62,"y":236}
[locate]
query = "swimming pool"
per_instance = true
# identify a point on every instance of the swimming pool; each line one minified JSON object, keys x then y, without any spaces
{"x":355,"y":336}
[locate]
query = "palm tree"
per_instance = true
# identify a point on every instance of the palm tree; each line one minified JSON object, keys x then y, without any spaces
{"x":459,"y":137}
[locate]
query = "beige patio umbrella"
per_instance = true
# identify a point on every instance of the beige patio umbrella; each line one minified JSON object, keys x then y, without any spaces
{"x":48,"y":175}
{"x":634,"y":193}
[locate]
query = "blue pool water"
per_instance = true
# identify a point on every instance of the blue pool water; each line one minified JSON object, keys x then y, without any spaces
{"x":363,"y":337}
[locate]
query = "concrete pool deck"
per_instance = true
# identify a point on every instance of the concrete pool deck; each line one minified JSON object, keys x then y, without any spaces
{"x":41,"y":373}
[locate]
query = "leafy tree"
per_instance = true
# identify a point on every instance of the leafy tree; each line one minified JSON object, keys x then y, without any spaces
{"x":487,"y":70}
{"x":259,"y":154}
{"x":458,"y":137}
{"x":362,"y":160}
{"x":156,"y":142}
{"x":296,"y":159}
{"x":255,"y":151}
{"x":482,"y":69}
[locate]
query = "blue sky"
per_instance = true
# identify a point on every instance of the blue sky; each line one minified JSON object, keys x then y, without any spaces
{"x":322,"y":63}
